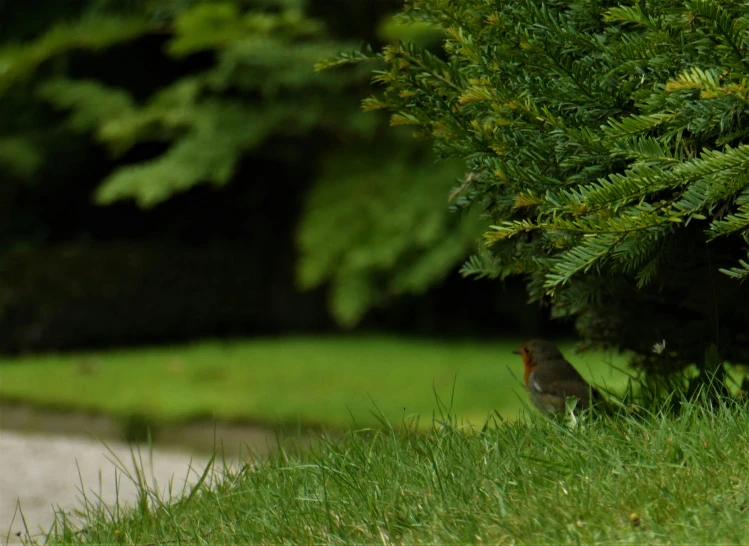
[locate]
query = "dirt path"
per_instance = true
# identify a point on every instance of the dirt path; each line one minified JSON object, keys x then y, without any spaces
{"x":43,"y":471}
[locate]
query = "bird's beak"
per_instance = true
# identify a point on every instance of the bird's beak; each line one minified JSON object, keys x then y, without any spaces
{"x":516,"y":352}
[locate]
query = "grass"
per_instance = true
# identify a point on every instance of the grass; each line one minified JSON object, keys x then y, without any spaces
{"x":652,"y":479}
{"x":310,"y":381}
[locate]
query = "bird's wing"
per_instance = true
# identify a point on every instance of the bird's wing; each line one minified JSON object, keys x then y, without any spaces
{"x":574,"y":386}
{"x":567,"y":388}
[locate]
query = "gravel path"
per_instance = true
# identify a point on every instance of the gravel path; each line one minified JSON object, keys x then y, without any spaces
{"x":45,"y":471}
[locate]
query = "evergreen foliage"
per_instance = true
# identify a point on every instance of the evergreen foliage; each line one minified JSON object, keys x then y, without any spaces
{"x":393,"y":236}
{"x":206,"y":117}
{"x":608,"y":146}
{"x":255,"y":91}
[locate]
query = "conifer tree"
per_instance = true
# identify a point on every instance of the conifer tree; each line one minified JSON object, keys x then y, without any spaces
{"x":608,"y":145}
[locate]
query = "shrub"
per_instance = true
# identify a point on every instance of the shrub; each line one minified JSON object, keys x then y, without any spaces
{"x":608,"y":146}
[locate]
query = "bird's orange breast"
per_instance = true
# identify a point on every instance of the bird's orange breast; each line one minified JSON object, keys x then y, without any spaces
{"x":528,"y":366}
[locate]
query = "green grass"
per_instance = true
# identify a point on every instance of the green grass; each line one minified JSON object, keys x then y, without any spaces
{"x":312,"y":381}
{"x":648,"y":480}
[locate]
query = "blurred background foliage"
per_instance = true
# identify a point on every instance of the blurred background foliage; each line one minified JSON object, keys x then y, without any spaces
{"x":176,"y":168}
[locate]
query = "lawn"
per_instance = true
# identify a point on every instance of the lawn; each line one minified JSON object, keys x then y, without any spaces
{"x":650,"y":479}
{"x":310,"y":381}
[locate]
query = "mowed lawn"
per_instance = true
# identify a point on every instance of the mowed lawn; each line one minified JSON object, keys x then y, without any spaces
{"x":327,"y":381}
{"x":645,"y":479}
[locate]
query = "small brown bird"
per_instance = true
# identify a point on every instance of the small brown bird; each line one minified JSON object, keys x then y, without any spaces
{"x":550,"y":379}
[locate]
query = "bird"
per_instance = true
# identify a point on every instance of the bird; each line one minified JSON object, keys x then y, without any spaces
{"x":551,"y":379}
